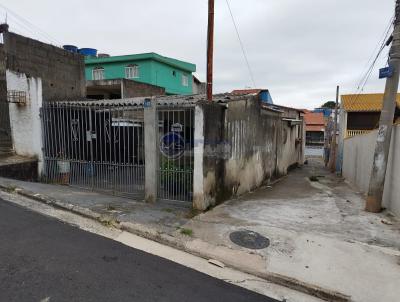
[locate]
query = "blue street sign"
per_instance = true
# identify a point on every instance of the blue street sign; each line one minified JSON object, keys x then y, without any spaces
{"x":147,"y":103}
{"x":386,"y":72}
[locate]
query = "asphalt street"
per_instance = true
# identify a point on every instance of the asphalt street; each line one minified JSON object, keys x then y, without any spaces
{"x":43,"y":259}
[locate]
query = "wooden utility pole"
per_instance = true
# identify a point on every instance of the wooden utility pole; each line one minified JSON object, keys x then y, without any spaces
{"x":377,"y":180}
{"x":332,"y":155}
{"x":210,"y":49}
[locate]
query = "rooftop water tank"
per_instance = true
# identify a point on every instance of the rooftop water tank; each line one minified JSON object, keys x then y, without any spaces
{"x":89,"y":52}
{"x":71,"y":48}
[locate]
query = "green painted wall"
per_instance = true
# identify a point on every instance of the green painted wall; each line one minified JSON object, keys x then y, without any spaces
{"x":150,"y":71}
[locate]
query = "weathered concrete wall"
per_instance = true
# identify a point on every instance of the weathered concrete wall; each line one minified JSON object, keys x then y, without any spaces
{"x":26,"y":127}
{"x":5,"y":132}
{"x":62,"y":72}
{"x":132,"y":89}
{"x":358,"y":152}
{"x":244,"y":147}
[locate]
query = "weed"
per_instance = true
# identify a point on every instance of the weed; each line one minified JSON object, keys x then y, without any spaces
{"x":11,"y":189}
{"x":110,"y":208}
{"x":313,"y":178}
{"x":187,"y":232}
{"x":192,"y":213}
{"x":168,"y":210}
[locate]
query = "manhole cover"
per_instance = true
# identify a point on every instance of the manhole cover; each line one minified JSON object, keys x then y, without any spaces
{"x":249,"y":239}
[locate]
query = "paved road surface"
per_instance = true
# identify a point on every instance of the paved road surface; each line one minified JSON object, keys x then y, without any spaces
{"x":42,"y":259}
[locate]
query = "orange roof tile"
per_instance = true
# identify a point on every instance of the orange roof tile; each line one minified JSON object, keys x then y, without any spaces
{"x":314,"y":118}
{"x":315,"y":128}
{"x":371,"y":102}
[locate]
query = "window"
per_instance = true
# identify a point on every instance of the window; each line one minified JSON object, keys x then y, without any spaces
{"x":131,"y":71}
{"x":174,"y":73}
{"x":98,"y":73}
{"x":185,"y":80}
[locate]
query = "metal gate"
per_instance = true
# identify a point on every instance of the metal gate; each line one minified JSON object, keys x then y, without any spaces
{"x":176,"y":156}
{"x":95,"y":145}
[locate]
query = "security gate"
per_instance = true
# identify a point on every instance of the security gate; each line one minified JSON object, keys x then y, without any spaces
{"x":176,"y":157}
{"x":95,"y":145}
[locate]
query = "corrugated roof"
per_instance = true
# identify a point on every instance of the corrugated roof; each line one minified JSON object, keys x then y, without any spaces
{"x":314,"y":118}
{"x":371,"y":102}
{"x":248,"y":91}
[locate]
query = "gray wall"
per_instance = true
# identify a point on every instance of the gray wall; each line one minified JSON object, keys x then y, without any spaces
{"x":358,"y":152}
{"x":244,"y":147}
{"x":62,"y":72}
{"x":132,"y":89}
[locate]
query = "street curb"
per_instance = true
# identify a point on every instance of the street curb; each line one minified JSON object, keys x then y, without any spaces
{"x":165,"y":239}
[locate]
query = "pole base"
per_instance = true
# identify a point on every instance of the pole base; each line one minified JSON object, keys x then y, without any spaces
{"x":373,"y":205}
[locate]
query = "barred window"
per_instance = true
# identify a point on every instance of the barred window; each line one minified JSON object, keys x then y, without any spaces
{"x":15,"y":96}
{"x":185,"y":80}
{"x":131,"y":71}
{"x":98,"y":73}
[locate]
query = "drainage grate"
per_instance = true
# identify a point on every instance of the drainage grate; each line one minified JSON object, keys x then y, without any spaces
{"x":249,"y":239}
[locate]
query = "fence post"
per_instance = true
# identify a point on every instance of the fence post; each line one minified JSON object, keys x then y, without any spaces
{"x":150,"y":149}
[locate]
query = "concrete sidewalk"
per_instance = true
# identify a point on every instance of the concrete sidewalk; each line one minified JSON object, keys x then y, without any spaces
{"x":321,"y":241}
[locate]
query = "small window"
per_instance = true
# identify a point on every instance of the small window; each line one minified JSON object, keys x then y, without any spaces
{"x":131,"y":71}
{"x":185,"y":80}
{"x":174,"y":73}
{"x":98,"y":73}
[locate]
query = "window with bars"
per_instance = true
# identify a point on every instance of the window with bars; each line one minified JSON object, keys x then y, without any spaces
{"x":131,"y":71}
{"x":185,"y":80}
{"x":98,"y":73}
{"x":16,"y":96}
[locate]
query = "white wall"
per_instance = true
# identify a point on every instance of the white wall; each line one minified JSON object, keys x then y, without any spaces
{"x":358,"y":154}
{"x":26,"y":129}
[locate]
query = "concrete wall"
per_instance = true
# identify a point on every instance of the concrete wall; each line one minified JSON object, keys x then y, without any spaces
{"x":132,"y":89}
{"x":358,"y":154}
{"x":244,"y":147}
{"x":62,"y":72}
{"x":26,"y":127}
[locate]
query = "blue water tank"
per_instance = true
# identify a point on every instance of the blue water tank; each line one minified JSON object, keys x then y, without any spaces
{"x":90,"y":52}
{"x":71,"y":48}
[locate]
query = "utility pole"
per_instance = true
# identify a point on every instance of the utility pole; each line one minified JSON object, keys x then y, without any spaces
{"x":210,"y":50}
{"x":332,"y":155}
{"x":377,"y":180}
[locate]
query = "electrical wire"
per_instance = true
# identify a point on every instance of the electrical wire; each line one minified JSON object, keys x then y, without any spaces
{"x":374,"y":57}
{"x":30,"y":26}
{"x":241,"y":45}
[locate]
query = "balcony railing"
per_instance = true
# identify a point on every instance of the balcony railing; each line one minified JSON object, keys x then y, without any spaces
{"x":351,"y":133}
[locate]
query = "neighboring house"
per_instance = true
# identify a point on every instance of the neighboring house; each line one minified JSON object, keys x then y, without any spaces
{"x":315,"y":128}
{"x":361,"y":112}
{"x":263,"y":94}
{"x":198,"y":86}
{"x":151,"y":68}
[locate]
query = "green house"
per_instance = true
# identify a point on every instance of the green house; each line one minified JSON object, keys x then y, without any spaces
{"x":151,"y":68}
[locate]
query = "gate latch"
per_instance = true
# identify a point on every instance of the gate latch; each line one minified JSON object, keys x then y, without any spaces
{"x":90,"y":136}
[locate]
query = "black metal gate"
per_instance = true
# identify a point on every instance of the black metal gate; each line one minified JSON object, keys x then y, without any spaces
{"x":95,"y":145}
{"x":176,"y":156}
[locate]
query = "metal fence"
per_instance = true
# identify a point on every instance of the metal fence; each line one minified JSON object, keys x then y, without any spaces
{"x":97,"y":146}
{"x":176,"y":157}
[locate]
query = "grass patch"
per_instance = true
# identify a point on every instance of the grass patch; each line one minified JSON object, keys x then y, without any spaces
{"x":192,"y":213}
{"x":313,"y":178}
{"x":11,"y":189}
{"x":110,"y":208}
{"x":168,"y":210}
{"x":187,"y":232}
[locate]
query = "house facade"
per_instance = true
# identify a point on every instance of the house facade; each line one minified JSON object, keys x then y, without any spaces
{"x":174,"y":75}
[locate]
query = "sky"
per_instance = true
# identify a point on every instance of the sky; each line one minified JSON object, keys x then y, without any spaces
{"x":299,"y":50}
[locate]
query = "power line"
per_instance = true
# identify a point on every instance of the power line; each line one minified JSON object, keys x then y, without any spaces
{"x":381,"y":44}
{"x":30,"y":26}
{"x":241,"y":45}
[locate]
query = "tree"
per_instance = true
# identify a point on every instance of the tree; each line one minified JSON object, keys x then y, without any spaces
{"x":330,"y":105}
